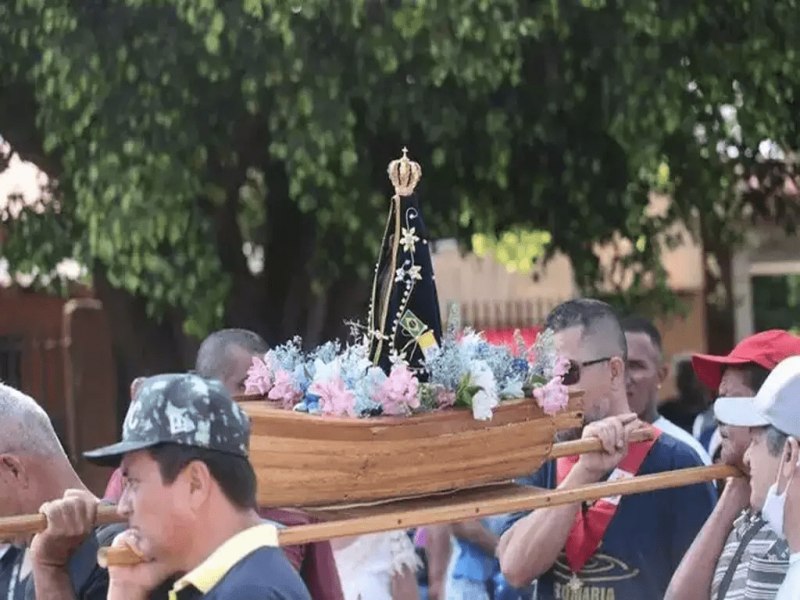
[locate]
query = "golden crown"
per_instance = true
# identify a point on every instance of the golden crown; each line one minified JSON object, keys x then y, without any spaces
{"x":404,"y":174}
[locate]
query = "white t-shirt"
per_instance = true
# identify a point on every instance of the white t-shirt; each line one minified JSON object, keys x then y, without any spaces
{"x":684,"y":436}
{"x":367,"y":564}
{"x":790,"y":588}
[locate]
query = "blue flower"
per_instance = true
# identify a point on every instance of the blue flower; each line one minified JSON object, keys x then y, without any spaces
{"x":448,"y":364}
{"x":300,"y":375}
{"x":312,"y":404}
{"x":519,"y":367}
{"x":289,"y":355}
{"x":513,"y":388}
{"x":364,"y":391}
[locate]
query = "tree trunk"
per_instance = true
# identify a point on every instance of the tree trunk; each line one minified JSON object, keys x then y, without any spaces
{"x":141,"y":345}
{"x":719,"y":302}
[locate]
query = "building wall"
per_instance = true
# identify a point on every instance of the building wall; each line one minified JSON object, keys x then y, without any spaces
{"x":683,"y":334}
{"x":768,"y":250}
{"x":492,"y":297}
{"x":59,"y":352}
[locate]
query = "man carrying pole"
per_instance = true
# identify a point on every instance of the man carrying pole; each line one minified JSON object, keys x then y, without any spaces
{"x":612,"y":548}
{"x":34,"y":469}
{"x":735,"y":550}
{"x":190,"y":499}
{"x":773,"y":420}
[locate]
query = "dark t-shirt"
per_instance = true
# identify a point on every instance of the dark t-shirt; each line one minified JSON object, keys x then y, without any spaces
{"x":12,"y":586}
{"x":89,"y":581}
{"x":646,"y":539}
{"x":264,"y":574}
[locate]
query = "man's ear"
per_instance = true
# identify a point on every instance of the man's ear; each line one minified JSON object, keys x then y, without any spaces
{"x":663,"y":372}
{"x":11,"y":467}
{"x":199,"y":481}
{"x":791,"y":459}
{"x":617,"y":366}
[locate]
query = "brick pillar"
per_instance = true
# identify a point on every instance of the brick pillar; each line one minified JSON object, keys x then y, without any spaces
{"x":90,"y":387}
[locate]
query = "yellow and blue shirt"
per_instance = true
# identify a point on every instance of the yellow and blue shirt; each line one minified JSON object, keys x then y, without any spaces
{"x":249,"y":566}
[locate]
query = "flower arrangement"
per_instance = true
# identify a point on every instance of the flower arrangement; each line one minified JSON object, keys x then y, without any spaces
{"x":464,"y":371}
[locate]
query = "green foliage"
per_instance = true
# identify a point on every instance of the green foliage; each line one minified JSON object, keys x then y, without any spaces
{"x":517,"y":249}
{"x":159,"y":119}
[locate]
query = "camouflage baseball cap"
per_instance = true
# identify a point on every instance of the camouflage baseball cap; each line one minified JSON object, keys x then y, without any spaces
{"x":179,"y":409}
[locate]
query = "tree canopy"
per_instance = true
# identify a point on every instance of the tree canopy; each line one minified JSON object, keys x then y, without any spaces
{"x":224,"y":161}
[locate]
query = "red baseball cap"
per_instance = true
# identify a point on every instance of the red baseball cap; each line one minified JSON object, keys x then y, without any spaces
{"x":766,"y":349}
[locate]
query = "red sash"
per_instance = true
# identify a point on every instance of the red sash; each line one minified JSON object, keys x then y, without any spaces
{"x":590,"y":526}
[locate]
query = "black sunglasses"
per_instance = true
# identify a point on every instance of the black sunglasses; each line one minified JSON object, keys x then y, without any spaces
{"x":573,"y":374}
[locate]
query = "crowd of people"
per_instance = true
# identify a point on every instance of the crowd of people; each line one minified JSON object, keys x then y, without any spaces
{"x":187,"y":490}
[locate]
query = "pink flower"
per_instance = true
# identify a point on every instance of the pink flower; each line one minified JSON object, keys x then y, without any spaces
{"x":259,"y":377}
{"x":552,"y":396}
{"x":398,"y":393}
{"x":285,"y":389}
{"x":334,"y":397}
{"x":561,"y":367}
{"x":445,"y":398}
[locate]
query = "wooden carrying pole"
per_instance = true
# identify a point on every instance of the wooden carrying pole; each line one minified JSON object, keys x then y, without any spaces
{"x":460,"y":506}
{"x":28,"y":525}
{"x":485,"y":502}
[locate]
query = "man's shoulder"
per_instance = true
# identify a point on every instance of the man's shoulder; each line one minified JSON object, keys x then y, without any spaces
{"x":681,"y":435}
{"x":265,"y":574}
{"x":670,"y":453}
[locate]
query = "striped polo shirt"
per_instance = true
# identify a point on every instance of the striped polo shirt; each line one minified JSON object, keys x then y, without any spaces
{"x":762,"y":563}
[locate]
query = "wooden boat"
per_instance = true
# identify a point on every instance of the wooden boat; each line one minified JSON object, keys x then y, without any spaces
{"x":311,"y":460}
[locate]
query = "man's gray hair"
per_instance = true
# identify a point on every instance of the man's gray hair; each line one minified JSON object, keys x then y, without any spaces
{"x":213,"y":359}
{"x":25,"y":427}
{"x":776,"y":440}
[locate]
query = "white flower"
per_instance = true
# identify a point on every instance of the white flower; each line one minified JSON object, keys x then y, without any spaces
{"x":400,"y":274}
{"x":470,"y":341}
{"x":415,"y":272}
{"x":486,"y":398}
{"x":326,"y":371}
{"x":397,"y":358}
{"x":409,"y":239}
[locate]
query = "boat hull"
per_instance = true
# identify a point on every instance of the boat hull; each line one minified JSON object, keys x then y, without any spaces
{"x":313,"y":460}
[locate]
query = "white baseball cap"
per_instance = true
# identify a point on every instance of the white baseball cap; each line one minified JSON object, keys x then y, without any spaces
{"x":777,"y":403}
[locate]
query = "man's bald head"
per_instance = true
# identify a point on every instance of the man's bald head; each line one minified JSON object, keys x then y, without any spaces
{"x":599,"y":325}
{"x":33,"y":466}
{"x":25,"y":427}
{"x":225,"y":355}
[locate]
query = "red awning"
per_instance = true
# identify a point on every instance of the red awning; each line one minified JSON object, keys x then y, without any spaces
{"x":506,"y":336}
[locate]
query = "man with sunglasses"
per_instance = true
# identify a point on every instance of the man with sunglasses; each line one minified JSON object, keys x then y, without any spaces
{"x":616,"y":547}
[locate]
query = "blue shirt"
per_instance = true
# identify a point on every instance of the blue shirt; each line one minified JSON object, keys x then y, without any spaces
{"x":646,"y":539}
{"x":471,"y":561}
{"x":264,"y":574}
{"x":473,"y":564}
{"x":249,"y":566}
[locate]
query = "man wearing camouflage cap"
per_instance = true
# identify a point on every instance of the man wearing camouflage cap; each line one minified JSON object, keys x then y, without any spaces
{"x":190,"y":498}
